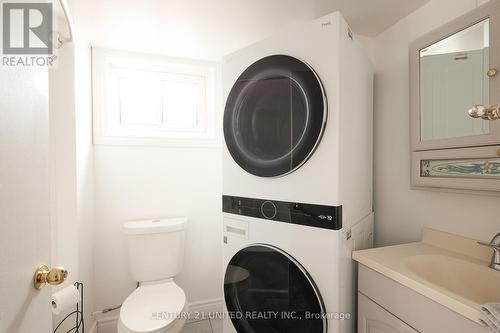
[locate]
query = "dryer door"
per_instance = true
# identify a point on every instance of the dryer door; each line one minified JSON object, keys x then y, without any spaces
{"x":266,"y":290}
{"x":274,"y":116}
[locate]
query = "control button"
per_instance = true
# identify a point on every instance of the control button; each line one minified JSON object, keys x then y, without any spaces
{"x":268,"y":210}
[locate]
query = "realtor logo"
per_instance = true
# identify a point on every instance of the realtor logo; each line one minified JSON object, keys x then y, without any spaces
{"x":27,"y":28}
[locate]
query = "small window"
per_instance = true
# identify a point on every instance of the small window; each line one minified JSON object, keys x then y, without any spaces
{"x":147,"y":100}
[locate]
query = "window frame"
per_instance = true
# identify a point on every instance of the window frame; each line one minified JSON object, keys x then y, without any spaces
{"x":106,"y":68}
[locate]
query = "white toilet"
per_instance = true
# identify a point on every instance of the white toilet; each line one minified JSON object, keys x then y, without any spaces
{"x":155,"y":250}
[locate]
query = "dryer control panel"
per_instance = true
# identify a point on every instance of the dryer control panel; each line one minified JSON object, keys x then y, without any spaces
{"x":319,"y":216}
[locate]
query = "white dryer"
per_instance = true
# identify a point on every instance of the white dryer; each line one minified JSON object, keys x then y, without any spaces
{"x":298,"y":119}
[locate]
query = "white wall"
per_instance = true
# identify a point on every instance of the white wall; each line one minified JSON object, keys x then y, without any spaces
{"x":150,"y":182}
{"x":400,"y":212}
{"x":85,"y":174}
{"x":64,"y":224}
{"x":72,"y":193}
{"x":132,"y":183}
{"x":63,"y":157}
{"x":72,"y":196}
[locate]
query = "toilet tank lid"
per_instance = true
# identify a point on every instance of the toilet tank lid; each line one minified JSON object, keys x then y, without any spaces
{"x":154,"y":226}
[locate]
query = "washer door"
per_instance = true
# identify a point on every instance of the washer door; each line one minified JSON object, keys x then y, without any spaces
{"x":266,"y":290}
{"x":274,"y":116}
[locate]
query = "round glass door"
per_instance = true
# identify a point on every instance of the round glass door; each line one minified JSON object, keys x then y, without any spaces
{"x":267,"y":291}
{"x":274,"y":116}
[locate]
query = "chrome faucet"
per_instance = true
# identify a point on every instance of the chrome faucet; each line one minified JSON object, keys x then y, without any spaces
{"x":495,"y":246}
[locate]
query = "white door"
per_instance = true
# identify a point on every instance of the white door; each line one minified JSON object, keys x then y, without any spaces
{"x":372,"y":318}
{"x":24,"y":200}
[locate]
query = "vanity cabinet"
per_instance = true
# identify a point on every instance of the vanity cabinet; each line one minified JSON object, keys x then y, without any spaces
{"x":386,"y":306}
{"x":372,"y":318}
{"x":455,"y":104}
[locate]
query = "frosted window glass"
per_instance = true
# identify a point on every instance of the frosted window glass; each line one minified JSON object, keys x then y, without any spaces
{"x":140,"y":101}
{"x":181,"y":102}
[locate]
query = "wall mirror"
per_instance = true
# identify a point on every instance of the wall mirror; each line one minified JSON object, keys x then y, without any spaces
{"x":455,"y":103}
{"x":452,"y":79}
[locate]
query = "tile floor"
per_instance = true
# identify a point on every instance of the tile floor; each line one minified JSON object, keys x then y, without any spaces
{"x":203,"y":326}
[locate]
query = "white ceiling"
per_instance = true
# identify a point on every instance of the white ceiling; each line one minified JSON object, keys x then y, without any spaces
{"x":208,"y":29}
{"x":371,"y":17}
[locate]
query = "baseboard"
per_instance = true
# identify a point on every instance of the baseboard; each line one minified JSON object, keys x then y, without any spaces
{"x":107,"y":324}
{"x":197,"y":311}
{"x":204,"y":309}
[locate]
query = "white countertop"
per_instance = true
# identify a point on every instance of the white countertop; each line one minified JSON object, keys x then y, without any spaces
{"x":396,"y":263}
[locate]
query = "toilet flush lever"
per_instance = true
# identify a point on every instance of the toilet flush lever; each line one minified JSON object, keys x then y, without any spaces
{"x":54,"y":276}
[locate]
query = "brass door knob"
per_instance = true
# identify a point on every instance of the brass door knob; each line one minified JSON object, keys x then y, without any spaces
{"x":492,"y":72}
{"x":54,"y":276}
{"x":486,"y":113}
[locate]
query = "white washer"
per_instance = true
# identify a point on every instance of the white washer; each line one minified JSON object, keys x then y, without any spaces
{"x":276,"y":273}
{"x":297,"y":176}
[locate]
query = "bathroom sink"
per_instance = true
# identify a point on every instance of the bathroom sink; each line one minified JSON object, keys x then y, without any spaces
{"x":449,"y":269}
{"x":466,"y":279}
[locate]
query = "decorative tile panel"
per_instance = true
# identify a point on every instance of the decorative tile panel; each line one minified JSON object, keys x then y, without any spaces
{"x":483,"y":168}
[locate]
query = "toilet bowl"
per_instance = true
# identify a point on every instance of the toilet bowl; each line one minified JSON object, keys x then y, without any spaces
{"x":158,"y":305}
{"x":158,"y":308}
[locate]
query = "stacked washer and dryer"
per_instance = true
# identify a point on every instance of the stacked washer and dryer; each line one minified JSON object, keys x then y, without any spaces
{"x":297,"y":179}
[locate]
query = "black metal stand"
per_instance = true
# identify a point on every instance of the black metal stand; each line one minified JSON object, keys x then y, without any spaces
{"x":79,"y":322}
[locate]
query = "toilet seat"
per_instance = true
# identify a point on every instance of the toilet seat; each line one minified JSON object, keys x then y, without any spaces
{"x":153,"y":308}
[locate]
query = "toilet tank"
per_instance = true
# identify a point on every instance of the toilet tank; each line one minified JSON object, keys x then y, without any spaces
{"x":155,"y":248}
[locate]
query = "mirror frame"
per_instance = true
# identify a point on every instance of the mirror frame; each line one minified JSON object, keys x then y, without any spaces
{"x":489,"y":10}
